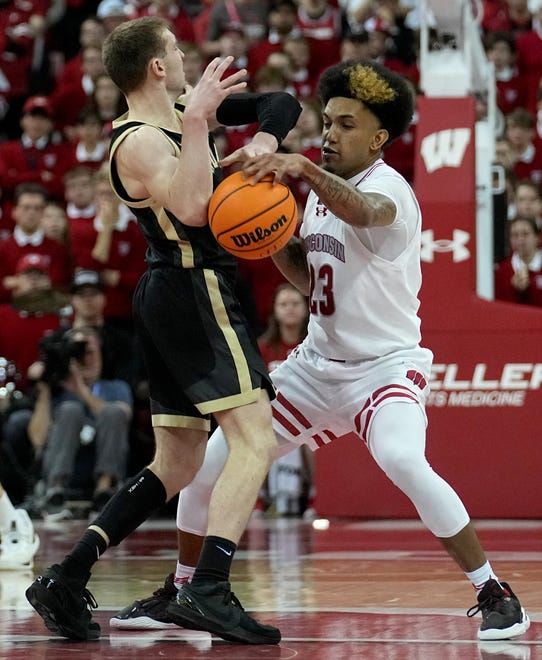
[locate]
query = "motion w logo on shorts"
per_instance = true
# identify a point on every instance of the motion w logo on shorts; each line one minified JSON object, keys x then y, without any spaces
{"x":417,"y":378}
{"x":381,"y":397}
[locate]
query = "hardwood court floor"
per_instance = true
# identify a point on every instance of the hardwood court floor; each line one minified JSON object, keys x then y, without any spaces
{"x":375,"y":590}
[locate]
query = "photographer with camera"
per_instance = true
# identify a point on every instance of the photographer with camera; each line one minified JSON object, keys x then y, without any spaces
{"x":76,"y":408}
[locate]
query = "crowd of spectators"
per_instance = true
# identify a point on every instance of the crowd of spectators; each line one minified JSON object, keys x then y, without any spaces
{"x":60,"y":221}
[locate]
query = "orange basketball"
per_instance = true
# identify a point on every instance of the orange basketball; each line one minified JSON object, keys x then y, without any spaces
{"x":252,"y":221}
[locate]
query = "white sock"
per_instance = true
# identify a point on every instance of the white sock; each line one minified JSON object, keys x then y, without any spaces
{"x":183,"y":574}
{"x":481,"y":575}
{"x":7,"y":511}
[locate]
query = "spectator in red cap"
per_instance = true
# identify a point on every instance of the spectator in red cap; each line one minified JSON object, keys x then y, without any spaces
{"x":33,"y":262}
{"x":30,"y":312}
{"x":38,"y":156}
{"x":30,"y":200}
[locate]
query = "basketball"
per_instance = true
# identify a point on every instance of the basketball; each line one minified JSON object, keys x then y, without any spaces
{"x":252,"y":221}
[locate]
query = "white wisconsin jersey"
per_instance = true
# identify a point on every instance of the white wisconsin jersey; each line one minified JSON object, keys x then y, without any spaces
{"x":364,"y":282}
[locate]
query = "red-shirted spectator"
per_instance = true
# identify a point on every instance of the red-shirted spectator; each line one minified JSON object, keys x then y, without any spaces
{"x":251,"y":14}
{"x":89,"y":146}
{"x":310,"y":127}
{"x":172,"y":11}
{"x":234,"y":42}
{"x":28,"y":315}
{"x":21,"y":22}
{"x":322,"y":25}
{"x":521,"y":134}
{"x":119,"y":251}
{"x":107,"y":101}
{"x":303,"y":82}
{"x":281,"y":23}
{"x":519,"y":278}
{"x":382,"y":48}
{"x":502,"y":16}
{"x":81,"y":211}
{"x":91,"y":33}
{"x":28,"y":237}
{"x":38,"y":156}
{"x":400,"y":152}
{"x":54,"y":223}
{"x":293,"y":494}
{"x":529,"y":56}
{"x":525,"y":200}
{"x":501,"y":50}
{"x":70,"y":98}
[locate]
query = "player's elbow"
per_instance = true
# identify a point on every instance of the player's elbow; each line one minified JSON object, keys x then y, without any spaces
{"x":193,"y":214}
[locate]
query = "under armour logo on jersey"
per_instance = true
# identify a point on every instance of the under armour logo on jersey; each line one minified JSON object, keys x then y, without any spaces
{"x":445,"y":148}
{"x":321,"y":210}
{"x":457,"y":245}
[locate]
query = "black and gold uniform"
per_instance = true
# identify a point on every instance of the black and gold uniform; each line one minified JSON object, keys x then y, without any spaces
{"x":200,"y":354}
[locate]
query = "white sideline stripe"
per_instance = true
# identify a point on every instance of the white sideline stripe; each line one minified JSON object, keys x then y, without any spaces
{"x":376,"y":555}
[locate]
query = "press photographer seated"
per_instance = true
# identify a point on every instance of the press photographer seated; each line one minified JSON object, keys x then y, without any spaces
{"x":76,"y":407}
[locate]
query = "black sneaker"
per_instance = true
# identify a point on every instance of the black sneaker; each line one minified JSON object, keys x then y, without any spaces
{"x":63,"y":610}
{"x":215,"y":608}
{"x":149,"y":613}
{"x":502,"y":615}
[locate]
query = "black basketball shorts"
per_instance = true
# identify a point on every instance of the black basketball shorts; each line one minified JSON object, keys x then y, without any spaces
{"x":200,"y":354}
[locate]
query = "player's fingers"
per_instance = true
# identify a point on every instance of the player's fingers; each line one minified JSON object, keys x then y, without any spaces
{"x":238,"y":87}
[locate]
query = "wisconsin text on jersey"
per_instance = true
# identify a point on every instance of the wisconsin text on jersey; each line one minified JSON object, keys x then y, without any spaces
{"x":324,"y":243}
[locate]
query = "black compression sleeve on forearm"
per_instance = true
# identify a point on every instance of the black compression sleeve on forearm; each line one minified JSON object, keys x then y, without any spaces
{"x":276,"y":112}
{"x":138,"y":498}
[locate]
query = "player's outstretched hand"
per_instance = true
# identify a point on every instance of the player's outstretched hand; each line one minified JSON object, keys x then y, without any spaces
{"x":279,"y":165}
{"x":262,"y":143}
{"x":212,"y":89}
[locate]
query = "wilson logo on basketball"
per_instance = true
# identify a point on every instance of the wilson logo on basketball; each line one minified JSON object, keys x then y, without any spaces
{"x":259,"y":234}
{"x":252,"y":220}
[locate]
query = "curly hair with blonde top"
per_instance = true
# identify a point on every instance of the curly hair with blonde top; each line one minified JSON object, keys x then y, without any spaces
{"x":387,"y":95}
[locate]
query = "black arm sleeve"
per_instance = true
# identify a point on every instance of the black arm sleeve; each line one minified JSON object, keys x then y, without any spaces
{"x":275,"y":112}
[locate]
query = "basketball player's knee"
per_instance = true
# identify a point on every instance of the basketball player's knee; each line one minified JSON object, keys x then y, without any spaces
{"x":175,"y":475}
{"x":401,"y":466}
{"x":259,"y":450}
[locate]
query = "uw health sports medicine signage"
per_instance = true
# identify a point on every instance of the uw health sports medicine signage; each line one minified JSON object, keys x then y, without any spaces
{"x":475,"y":387}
